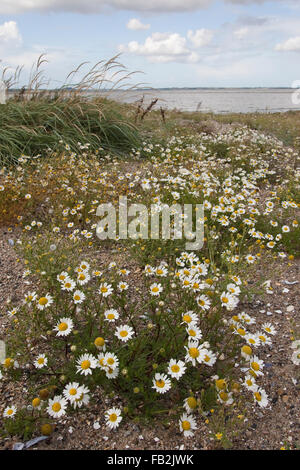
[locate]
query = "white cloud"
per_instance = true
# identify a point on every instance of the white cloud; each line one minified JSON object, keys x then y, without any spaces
{"x":170,"y":47}
{"x":292,"y":44}
{"x":137,"y":25}
{"x":160,"y":47}
{"x":93,"y":6}
{"x":9,"y":34}
{"x":241,"y":33}
{"x":201,"y":37}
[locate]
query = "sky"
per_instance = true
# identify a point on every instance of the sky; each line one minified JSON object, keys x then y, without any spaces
{"x":173,"y":43}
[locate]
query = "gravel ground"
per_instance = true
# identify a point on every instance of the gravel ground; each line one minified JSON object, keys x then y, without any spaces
{"x":270,"y":428}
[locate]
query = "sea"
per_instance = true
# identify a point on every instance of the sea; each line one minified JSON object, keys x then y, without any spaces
{"x":215,"y":100}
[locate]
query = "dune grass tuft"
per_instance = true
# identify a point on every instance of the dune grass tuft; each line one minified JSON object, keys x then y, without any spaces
{"x":36,"y":119}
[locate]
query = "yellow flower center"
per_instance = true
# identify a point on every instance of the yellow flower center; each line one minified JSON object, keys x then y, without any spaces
{"x":81,"y":277}
{"x":72,"y":391}
{"x":257,"y":396}
{"x":99,"y":341}
{"x":43,"y":301}
{"x":41,"y":360}
{"x":186,"y":425}
{"x":220,"y":384}
{"x":123,"y":333}
{"x":155,"y":289}
{"x":85,"y":364}
{"x":225,"y":300}
{"x":191,"y":401}
{"x":241,"y":331}
{"x":206,"y":358}
{"x":160,"y":383}
{"x":10,"y":412}
{"x":193,"y":352}
{"x":175,"y":368}
{"x":62,"y":326}
{"x":247,"y":350}
{"x":103,"y":289}
{"x":192,"y":332}
{"x":110,"y":361}
{"x":76,"y":297}
{"x":111,"y":316}
{"x":187,"y":318}
{"x":255,"y":366}
{"x":224,"y":396}
{"x":8,"y":362}
{"x":36,"y":402}
{"x":113,"y":417}
{"x":56,"y":407}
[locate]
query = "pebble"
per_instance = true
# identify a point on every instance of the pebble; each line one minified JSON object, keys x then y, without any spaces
{"x":290,"y":308}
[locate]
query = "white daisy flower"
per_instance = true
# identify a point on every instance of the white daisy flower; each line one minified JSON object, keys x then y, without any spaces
{"x":122,"y":286}
{"x":83,"y":278}
{"x":296,"y":357}
{"x":64,"y":326}
{"x":63,"y":276}
{"x":105,"y":289}
{"x":176,"y":369}
{"x":68,"y":285}
{"x":44,"y":302}
{"x":112,"y":373}
{"x":78,"y":297}
{"x":208,"y":357}
{"x":193,"y":352}
{"x":225,"y":397}
{"x":30,"y":297}
{"x":161,"y":383}
{"x":9,"y":411}
{"x":269,"y":328}
{"x":85,"y":363}
{"x":72,"y":391}
{"x":155,"y":289}
{"x":84,"y":266}
{"x":260,"y":397}
{"x":187,"y":424}
{"x":57,"y":406}
{"x":249,"y":382}
{"x":203,"y":302}
{"x":113,"y":417}
{"x":190,"y":404}
{"x":109,"y":360}
{"x":193,"y":331}
{"x":189,"y":317}
{"x":233,"y":289}
{"x":264,"y":339}
{"x":256,"y":366}
{"x":41,"y":361}
{"x":111,"y":315}
{"x":83,"y":399}
{"x":124,"y":333}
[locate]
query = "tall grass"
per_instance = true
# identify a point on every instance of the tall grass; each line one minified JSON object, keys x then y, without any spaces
{"x":37,"y":119}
